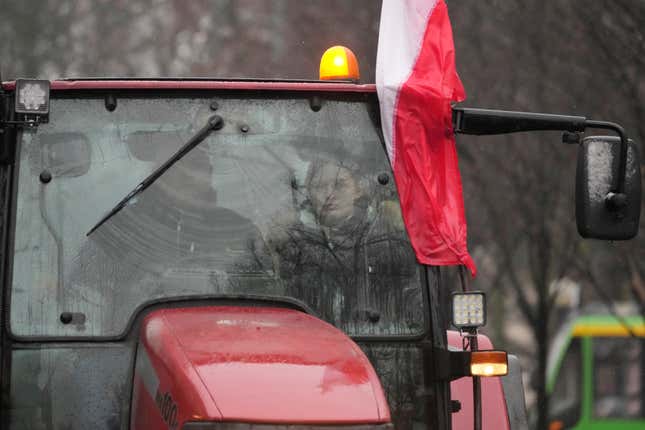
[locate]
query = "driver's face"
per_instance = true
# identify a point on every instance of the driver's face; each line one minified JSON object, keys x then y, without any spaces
{"x":333,"y":192}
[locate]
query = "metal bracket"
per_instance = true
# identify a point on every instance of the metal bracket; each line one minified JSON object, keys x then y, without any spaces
{"x":571,"y":138}
{"x":28,"y":123}
{"x":451,"y":365}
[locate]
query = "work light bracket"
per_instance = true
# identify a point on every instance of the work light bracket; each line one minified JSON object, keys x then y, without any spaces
{"x":451,"y":365}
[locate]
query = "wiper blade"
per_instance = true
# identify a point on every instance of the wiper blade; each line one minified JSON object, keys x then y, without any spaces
{"x":215,"y":122}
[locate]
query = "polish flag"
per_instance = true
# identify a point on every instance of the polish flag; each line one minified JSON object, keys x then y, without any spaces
{"x":417,"y":82}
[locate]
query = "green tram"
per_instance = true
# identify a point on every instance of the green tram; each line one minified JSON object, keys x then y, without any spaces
{"x":596,"y":374}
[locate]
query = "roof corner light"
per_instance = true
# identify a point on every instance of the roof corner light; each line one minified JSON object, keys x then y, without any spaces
{"x":469,"y":310}
{"x":339,"y":63}
{"x":32,"y":99}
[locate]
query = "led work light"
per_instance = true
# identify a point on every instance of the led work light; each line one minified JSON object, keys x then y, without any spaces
{"x":32,"y":98}
{"x":468,"y":310}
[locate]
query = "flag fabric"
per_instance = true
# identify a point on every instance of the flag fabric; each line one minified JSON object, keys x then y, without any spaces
{"x":417,"y":82}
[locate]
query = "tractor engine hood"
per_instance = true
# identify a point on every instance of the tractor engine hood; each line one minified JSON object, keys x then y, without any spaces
{"x":250,"y":364}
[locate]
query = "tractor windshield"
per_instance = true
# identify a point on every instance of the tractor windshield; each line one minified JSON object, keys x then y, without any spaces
{"x":282,"y":202}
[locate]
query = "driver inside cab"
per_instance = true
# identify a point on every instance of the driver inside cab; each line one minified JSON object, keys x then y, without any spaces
{"x":345,"y":245}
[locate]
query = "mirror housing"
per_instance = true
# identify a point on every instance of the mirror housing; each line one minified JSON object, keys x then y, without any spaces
{"x":599,"y":214}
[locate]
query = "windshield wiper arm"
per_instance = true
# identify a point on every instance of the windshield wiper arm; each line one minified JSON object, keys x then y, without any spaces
{"x":215,"y":122}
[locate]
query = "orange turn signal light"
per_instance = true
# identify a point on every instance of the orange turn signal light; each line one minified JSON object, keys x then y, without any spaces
{"x":339,"y":63}
{"x":488,"y":363}
{"x":556,"y":425}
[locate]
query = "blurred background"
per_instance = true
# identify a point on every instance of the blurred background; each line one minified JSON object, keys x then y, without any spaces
{"x":561,"y":56}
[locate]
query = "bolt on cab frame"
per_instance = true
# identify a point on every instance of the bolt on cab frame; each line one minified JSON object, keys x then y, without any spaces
{"x":263,"y":276}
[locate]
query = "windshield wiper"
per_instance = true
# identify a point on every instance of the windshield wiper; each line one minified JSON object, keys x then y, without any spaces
{"x":215,"y":122}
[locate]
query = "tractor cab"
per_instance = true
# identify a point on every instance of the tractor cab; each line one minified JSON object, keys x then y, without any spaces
{"x":215,"y":254}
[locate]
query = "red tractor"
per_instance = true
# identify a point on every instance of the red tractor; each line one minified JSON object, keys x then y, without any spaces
{"x":259,"y":276}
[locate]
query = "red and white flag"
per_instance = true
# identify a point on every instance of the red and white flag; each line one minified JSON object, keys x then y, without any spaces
{"x":417,"y":82}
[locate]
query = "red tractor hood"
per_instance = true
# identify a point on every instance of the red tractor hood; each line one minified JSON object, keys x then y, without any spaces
{"x":252,"y":364}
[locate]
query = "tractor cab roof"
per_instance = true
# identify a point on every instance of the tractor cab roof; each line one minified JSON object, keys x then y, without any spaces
{"x":67,"y":84}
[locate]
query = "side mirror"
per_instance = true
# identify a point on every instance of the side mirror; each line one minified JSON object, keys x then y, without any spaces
{"x":598,"y":216}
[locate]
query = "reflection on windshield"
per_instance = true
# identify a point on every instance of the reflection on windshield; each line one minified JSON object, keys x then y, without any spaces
{"x":177,"y":232}
{"x":287,"y":209}
{"x":214,"y":123}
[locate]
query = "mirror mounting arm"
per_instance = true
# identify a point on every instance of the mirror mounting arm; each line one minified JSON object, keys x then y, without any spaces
{"x":477,"y":121}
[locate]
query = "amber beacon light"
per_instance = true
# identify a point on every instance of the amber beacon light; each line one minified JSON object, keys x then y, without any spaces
{"x":339,"y":63}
